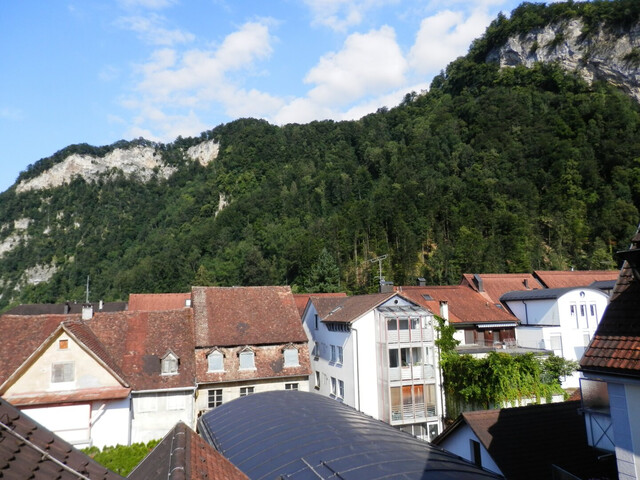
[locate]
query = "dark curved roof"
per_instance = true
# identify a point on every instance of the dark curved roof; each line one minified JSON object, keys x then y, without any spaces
{"x":300,"y":435}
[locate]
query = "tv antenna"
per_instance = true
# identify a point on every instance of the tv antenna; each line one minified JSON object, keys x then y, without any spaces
{"x":379,"y":260}
{"x":87,"y":301}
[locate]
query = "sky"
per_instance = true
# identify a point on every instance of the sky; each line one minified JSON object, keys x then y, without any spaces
{"x":99,"y":71}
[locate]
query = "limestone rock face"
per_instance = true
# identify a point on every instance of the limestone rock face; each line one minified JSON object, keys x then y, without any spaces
{"x":139,"y":162}
{"x":613,"y":57}
{"x":204,"y":152}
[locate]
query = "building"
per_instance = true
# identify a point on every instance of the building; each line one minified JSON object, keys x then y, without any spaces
{"x":299,"y":435}
{"x":377,"y":354}
{"x":611,"y":369}
{"x":247,"y":340}
{"x":481,"y":325}
{"x":114,"y":378}
{"x":528,"y":443}
{"x":561,"y":320}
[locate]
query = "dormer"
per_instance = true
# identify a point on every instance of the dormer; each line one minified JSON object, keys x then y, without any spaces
{"x":215,"y":360}
{"x":247,"y":359}
{"x":290,"y":354}
{"x":169,"y":363}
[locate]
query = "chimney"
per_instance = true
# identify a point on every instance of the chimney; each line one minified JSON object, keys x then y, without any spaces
{"x":421,"y":282}
{"x":187,"y":302}
{"x":386,"y":287}
{"x":444,"y":309}
{"x":525,"y":282}
{"x":87,"y":311}
{"x":67,"y":308}
{"x":479,"y":282}
{"x":100,"y":305}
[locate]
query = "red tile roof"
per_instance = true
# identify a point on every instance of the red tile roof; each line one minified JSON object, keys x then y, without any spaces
{"x":227,"y":316}
{"x":158,"y":301}
{"x":494,"y":285}
{"x":525,"y":441}
{"x":347,"y":309}
{"x":129,"y":343}
{"x":182,"y":454}
{"x":303,"y":298}
{"x":574,"y":278}
{"x":615,"y":347}
{"x":466,"y":306}
{"x":28,"y":450}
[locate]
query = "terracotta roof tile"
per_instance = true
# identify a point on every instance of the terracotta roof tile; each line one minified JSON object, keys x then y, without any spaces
{"x":574,"y":278}
{"x":347,"y":309}
{"x":615,"y":347}
{"x":494,"y":285}
{"x":466,"y":306}
{"x":158,"y":301}
{"x":226,"y":316}
{"x":28,"y":450}
{"x":303,"y":298}
{"x":182,"y":454}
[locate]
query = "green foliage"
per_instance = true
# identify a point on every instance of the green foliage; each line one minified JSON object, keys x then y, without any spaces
{"x":121,"y":459}
{"x":445,"y":342}
{"x":499,"y":379}
{"x":324,"y":276}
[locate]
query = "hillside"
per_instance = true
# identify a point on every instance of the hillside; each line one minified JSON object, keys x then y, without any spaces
{"x":497,"y":168}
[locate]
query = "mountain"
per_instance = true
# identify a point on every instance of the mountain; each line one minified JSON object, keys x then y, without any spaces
{"x":523,"y":155}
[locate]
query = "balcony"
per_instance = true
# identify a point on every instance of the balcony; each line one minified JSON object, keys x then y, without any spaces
{"x":416,"y":372}
{"x":408,"y":336}
{"x":412,"y":412}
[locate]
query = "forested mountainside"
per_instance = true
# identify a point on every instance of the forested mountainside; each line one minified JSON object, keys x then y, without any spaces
{"x":494,"y":169}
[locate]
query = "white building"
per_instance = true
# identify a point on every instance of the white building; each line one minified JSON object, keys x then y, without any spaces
{"x":376,"y":353}
{"x":561,"y":320}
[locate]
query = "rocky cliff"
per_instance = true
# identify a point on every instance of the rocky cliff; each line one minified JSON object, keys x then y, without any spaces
{"x":611,"y":56}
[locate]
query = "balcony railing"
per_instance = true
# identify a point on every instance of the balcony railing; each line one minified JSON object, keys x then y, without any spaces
{"x":417,"y":372}
{"x":415,"y":411}
{"x":408,"y":336}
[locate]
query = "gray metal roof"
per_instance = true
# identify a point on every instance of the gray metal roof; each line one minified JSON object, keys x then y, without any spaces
{"x":301,"y":435}
{"x":539,"y":294}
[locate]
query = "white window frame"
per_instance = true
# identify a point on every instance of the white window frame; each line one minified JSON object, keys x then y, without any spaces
{"x":63,"y":372}
{"x":215,"y":361}
{"x":317,"y":385}
{"x":291,"y":386}
{"x":169,"y":364}
{"x":291,"y":357}
{"x":175,"y":401}
{"x":245,"y":358}
{"x":215,"y":397}
{"x":148,"y":403}
{"x":333,"y":385}
{"x":340,"y":389}
{"x":340,"y":354}
{"x":333,"y":354}
{"x":245,"y":391}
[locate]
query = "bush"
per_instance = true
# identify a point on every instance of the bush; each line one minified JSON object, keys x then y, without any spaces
{"x":121,"y":459}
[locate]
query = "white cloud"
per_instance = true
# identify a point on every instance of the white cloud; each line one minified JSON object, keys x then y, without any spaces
{"x":149,"y":4}
{"x":339,"y":15}
{"x":200,"y":79}
{"x":10,"y":113}
{"x":150,"y":30}
{"x":444,"y":37}
{"x":368,"y":64}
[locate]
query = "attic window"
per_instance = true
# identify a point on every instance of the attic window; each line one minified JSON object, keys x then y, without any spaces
{"x":62,"y":372}
{"x":291,"y":357}
{"x":170,"y":364}
{"x":247,"y":360}
{"x":426,"y":296}
{"x":63,"y":344}
{"x":215,"y":361}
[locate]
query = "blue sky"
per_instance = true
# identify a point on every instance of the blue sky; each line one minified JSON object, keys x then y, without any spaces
{"x":97,"y":71}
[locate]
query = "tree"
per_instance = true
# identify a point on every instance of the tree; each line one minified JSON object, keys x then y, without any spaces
{"x":324,"y":276}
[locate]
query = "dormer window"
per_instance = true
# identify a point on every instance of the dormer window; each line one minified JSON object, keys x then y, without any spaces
{"x":215,"y":361}
{"x":247,"y":359}
{"x":291,"y":357}
{"x":169,"y":363}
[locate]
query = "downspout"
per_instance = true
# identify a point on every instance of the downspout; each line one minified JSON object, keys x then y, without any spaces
{"x":357,"y":352}
{"x":526,"y":312}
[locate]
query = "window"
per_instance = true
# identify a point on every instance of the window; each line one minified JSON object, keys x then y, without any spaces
{"x":175,"y":401}
{"x":316,"y":321}
{"x":169,"y":364}
{"x":291,"y":386}
{"x":291,"y":357}
{"x":340,"y":355}
{"x":592,"y":309}
{"x":475,"y":452}
{"x":63,"y":344}
{"x":333,"y":385}
{"x":317,"y":386}
{"x":340,"y":389}
{"x":62,"y":372}
{"x":333,"y":354}
{"x":148,"y":403}
{"x":216,"y":361}
{"x":247,"y":360}
{"x":244,"y":391}
{"x":583,"y":309}
{"x":393,"y":358}
{"x":214,"y":398}
{"x":555,"y":343}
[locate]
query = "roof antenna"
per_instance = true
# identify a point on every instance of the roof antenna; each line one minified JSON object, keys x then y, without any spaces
{"x":87,"y":300}
{"x":379,"y":260}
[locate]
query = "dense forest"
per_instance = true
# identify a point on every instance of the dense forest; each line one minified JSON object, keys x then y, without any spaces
{"x":489,"y":171}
